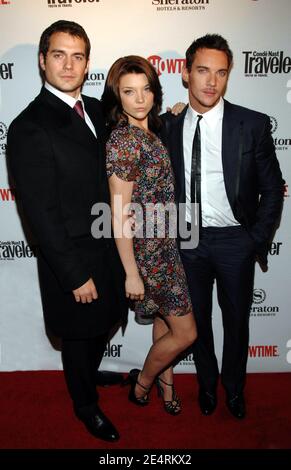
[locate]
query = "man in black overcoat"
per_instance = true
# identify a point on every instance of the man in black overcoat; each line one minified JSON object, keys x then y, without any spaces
{"x":57,"y":161}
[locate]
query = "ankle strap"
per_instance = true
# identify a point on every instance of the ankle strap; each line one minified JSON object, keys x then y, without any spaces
{"x":166,"y":383}
{"x":142,"y":386}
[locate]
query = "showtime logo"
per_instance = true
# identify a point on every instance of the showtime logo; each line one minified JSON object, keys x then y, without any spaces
{"x":4,"y":2}
{"x":264,"y":351}
{"x":166,"y":65}
{"x":6,"y":194}
{"x":9,"y":250}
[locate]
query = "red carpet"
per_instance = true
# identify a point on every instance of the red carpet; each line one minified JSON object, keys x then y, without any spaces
{"x":36,"y":413}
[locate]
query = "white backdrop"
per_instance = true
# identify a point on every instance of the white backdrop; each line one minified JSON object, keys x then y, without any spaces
{"x":259,"y":34}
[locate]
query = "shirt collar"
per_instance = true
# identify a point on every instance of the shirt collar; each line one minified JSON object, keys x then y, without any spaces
{"x":211,"y":116}
{"x":63,"y":96}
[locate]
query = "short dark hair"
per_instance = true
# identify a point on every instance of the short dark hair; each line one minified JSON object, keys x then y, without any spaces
{"x":111,"y":98}
{"x":209,"y":41}
{"x":63,"y":26}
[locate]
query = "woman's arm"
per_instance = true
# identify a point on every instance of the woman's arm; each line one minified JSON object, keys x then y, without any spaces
{"x":120,"y":193}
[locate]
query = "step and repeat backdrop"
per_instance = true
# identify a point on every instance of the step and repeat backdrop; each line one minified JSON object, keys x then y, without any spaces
{"x":160,"y":30}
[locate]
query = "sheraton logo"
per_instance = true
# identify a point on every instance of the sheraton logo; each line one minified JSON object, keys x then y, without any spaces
{"x":274,"y":124}
{"x":68,"y":3}
{"x":187,"y":359}
{"x":263,"y":63}
{"x":168,"y":65}
{"x":3,"y":135}
{"x":259,"y":297}
{"x":3,"y":131}
{"x":10,"y":250}
{"x":281,"y":143}
{"x":95,"y":79}
{"x":180,"y":5}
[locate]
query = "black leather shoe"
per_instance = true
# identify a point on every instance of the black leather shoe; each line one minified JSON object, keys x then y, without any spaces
{"x":99,"y":426}
{"x":207,"y":402}
{"x":104,"y":378}
{"x":236,"y":406}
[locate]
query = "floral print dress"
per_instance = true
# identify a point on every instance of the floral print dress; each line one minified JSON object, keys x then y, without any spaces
{"x":133,"y":155}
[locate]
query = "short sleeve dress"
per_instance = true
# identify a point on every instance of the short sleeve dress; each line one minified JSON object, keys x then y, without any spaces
{"x":133,"y":155}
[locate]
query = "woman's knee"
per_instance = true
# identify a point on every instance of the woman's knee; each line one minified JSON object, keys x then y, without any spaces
{"x":186,"y":337}
{"x":190,"y":336}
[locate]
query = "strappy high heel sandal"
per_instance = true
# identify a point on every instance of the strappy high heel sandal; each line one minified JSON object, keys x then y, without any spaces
{"x":132,"y":380}
{"x":173,"y":407}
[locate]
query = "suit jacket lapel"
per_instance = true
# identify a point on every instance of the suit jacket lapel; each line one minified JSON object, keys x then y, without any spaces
{"x":67,"y":121}
{"x":96,"y":118}
{"x":177,"y":156}
{"x":232,"y":138}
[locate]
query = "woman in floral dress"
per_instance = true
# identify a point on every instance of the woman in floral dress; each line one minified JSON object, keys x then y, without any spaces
{"x":140,"y":176}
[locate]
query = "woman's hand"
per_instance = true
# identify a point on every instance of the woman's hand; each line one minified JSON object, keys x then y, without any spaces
{"x":134,"y":287}
{"x":177,"y":108}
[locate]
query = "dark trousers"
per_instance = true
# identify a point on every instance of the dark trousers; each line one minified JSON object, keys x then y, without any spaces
{"x":226,"y":255}
{"x":81,"y":359}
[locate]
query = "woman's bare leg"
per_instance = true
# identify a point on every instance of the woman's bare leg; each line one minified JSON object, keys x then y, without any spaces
{"x":181,"y":334}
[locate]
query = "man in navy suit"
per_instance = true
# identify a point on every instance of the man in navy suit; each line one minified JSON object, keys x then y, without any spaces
{"x":240,"y":198}
{"x":56,"y":152}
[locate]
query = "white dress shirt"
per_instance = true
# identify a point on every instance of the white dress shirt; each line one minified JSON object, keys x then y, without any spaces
{"x":71,"y":102}
{"x":216,"y":210}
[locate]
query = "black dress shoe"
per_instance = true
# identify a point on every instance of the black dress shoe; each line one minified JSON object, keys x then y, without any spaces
{"x":99,"y":426}
{"x":236,"y":406}
{"x":207,"y":402}
{"x":105,"y":378}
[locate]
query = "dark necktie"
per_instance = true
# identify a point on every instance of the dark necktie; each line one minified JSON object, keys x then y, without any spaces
{"x":79,"y":109}
{"x":196,"y":172}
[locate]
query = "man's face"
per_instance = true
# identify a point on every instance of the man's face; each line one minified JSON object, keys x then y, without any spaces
{"x":65,"y":64}
{"x":207,"y":79}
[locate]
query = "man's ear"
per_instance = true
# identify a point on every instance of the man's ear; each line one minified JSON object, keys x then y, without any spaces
{"x":42,"y":61}
{"x":185,"y":74}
